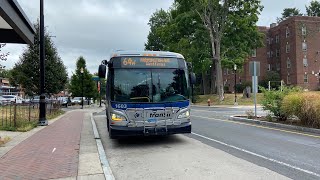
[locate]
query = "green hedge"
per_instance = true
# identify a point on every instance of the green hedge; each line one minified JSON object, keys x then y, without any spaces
{"x":306,"y":106}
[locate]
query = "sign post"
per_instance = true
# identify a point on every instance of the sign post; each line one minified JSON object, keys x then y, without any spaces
{"x":98,"y":81}
{"x":254,"y":68}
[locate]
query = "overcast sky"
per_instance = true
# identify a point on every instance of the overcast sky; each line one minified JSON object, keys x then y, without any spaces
{"x":95,"y":28}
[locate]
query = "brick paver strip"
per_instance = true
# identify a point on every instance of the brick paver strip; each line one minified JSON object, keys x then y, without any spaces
{"x":34,"y":158}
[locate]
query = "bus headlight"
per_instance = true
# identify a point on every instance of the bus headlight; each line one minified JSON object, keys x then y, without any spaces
{"x":185,"y":114}
{"x":117,"y":117}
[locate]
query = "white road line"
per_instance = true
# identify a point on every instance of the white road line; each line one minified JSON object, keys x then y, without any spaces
{"x":102,"y":154}
{"x":54,"y":149}
{"x":258,"y":155}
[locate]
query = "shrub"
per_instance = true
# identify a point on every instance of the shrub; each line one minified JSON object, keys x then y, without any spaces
{"x":273,"y":100}
{"x":306,"y":106}
{"x":250,"y":114}
{"x":292,"y":103}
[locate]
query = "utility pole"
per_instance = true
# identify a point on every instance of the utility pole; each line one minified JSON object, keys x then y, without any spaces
{"x":42,"y":115}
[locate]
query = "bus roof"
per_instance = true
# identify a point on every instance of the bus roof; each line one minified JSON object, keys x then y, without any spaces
{"x":146,"y":53}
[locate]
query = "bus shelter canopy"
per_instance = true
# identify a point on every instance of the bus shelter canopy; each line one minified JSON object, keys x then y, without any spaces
{"x":15,"y":27}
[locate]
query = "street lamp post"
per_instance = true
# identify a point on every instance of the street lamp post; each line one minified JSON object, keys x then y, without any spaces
{"x":235,"y":84}
{"x":42,"y":108}
{"x":81,"y":70}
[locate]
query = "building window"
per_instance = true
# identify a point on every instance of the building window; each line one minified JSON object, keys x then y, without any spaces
{"x":277,"y":39}
{"x":287,"y":47}
{"x":269,"y":67}
{"x":278,"y":66}
{"x":304,"y":45}
{"x":277,"y":52}
{"x":288,"y":63}
{"x":305,"y":78}
{"x":305,"y":61}
{"x":304,"y":30}
{"x":254,"y":53}
{"x":288,"y":79}
{"x":287,"y":32}
{"x":268,"y":53}
{"x":271,"y":53}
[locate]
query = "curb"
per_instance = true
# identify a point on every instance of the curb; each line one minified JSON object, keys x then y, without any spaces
{"x":102,"y":154}
{"x":271,"y":124}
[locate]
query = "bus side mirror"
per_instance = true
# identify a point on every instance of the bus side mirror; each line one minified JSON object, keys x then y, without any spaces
{"x":102,"y":71}
{"x":104,"y":62}
{"x":192,"y":78}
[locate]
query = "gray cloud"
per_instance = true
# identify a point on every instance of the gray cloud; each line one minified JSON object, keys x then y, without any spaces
{"x":95,"y":28}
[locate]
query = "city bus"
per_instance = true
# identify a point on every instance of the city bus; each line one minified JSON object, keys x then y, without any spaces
{"x":147,"y":93}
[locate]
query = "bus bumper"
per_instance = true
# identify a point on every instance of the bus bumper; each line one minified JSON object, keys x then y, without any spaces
{"x":120,"y":131}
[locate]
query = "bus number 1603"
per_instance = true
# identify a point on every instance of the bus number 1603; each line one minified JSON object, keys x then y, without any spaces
{"x":121,"y":106}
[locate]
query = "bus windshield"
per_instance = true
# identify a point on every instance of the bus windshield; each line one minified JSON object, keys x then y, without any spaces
{"x":149,"y":85}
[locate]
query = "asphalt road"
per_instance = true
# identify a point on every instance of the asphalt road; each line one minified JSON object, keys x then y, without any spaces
{"x":293,"y":154}
{"x":216,"y":149}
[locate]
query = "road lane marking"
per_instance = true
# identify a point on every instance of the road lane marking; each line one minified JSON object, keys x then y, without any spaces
{"x":258,"y":126}
{"x":54,"y":149}
{"x":258,"y":155}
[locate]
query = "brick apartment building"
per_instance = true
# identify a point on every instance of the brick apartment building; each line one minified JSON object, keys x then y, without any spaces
{"x":292,"y":48}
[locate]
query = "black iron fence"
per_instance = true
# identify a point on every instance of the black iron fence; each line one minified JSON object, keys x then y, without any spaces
{"x":15,"y":114}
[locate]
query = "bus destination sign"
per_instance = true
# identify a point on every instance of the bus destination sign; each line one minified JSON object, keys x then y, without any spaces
{"x":148,"y":62}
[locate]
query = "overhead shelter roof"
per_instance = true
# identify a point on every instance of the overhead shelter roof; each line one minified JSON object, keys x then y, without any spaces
{"x":15,"y":27}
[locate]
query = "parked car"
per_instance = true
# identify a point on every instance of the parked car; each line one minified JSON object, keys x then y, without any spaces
{"x":13,"y":98}
{"x":36,"y":99}
{"x":26,"y":100}
{"x":4,"y":101}
{"x":76,"y":100}
{"x":64,"y":101}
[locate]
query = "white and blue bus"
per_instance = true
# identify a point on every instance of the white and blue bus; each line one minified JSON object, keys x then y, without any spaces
{"x":148,"y":93}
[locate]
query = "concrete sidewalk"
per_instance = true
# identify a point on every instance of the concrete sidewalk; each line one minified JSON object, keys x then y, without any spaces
{"x":66,"y":149}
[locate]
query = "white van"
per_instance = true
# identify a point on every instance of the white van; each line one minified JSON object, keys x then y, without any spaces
{"x":13,"y":98}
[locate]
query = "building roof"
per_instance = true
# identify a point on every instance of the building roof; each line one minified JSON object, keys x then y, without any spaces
{"x":15,"y":27}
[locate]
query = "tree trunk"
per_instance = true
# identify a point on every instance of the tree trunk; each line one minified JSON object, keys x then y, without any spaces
{"x":213,"y":79}
{"x":219,"y":77}
{"x":204,"y":83}
{"x":213,"y":74}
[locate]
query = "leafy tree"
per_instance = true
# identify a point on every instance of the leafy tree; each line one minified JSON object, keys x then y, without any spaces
{"x":233,"y":32}
{"x":5,"y":73}
{"x":159,"y":19}
{"x":313,"y":9}
{"x":288,"y":12}
{"x":26,"y":71}
{"x":184,"y":32}
{"x":3,"y":56}
{"x":272,"y":76}
{"x":180,"y":30}
{"x":83,"y":80}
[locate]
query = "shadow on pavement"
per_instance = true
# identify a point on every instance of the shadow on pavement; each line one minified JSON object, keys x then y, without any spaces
{"x":146,"y":141}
